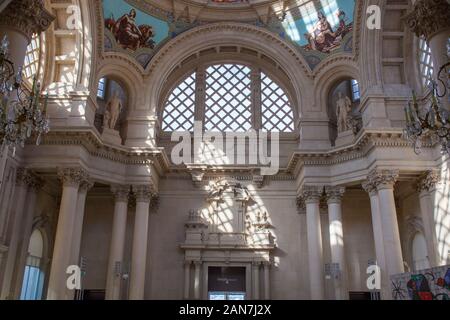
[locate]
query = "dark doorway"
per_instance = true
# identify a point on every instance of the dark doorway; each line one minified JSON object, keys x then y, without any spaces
{"x":227,"y":283}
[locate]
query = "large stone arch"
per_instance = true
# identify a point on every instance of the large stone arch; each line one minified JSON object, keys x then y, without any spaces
{"x":116,"y":66}
{"x":222,"y":34}
{"x":337,"y":69}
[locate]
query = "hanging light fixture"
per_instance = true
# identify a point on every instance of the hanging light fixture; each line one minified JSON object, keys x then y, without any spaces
{"x":22,"y":113}
{"x":433,"y":122}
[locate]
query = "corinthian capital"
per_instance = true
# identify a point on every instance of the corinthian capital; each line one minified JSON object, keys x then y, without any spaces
{"x":27,"y":16}
{"x":429,"y":17}
{"x":370,"y":188}
{"x":35,"y":183}
{"x":428,"y":181}
{"x":383,"y":179}
{"x":72,"y":176}
{"x":22,"y":177}
{"x":312,"y":193}
{"x":334,"y":194}
{"x":121,"y":192}
{"x":143,"y":193}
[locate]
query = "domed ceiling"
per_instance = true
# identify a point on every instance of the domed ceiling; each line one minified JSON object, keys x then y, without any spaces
{"x":317,"y":28}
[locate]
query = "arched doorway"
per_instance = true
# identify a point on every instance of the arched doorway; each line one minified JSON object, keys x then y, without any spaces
{"x":33,"y":279}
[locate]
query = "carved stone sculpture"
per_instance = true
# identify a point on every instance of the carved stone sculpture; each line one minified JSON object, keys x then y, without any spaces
{"x":114,"y":108}
{"x":343,"y":108}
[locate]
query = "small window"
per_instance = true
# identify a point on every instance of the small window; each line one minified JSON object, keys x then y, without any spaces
{"x":101,"y":88}
{"x":426,"y":63}
{"x":356,"y":94}
{"x":31,"y":63}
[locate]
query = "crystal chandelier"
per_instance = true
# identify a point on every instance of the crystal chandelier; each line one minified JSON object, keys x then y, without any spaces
{"x":22,"y":113}
{"x":432,"y":123}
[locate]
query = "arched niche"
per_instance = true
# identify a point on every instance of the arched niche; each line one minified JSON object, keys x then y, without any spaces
{"x":343,"y":102}
{"x":112,"y":110}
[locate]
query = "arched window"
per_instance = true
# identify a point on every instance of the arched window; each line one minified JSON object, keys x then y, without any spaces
{"x":32,"y":57}
{"x":228,"y":96}
{"x":33,"y":279}
{"x":426,"y":62}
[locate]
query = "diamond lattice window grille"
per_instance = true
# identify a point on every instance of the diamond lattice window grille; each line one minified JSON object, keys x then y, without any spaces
{"x":180,"y":107}
{"x":276,"y":109}
{"x":228,"y":98}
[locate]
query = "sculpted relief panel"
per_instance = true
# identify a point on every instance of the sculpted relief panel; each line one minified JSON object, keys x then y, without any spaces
{"x":232,"y":217}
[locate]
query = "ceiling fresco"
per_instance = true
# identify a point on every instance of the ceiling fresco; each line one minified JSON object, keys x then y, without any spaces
{"x":318,"y":28}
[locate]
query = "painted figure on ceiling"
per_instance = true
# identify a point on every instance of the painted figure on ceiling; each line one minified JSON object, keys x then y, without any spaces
{"x":323,"y":38}
{"x":128,"y":34}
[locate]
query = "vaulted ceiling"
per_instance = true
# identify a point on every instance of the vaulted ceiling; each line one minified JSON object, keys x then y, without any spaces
{"x":212,"y":10}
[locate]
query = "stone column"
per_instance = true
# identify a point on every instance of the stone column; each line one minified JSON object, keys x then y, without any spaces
{"x":255,"y":277}
{"x":334,"y":200}
{"x":384,"y":180}
{"x":71,"y":179}
{"x":19,"y":21}
{"x":187,"y":279}
{"x":85,"y":186}
{"x":197,"y":280}
{"x":35,"y":185}
{"x":426,"y":186}
{"x":14,"y":230}
{"x":143,"y":195}
{"x":378,"y":236}
{"x":117,"y":245}
{"x":431,"y":19}
{"x":311,"y":196}
{"x":266,"y":268}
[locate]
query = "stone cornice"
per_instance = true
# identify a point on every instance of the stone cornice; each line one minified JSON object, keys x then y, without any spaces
{"x":27,"y":16}
{"x":94,"y":146}
{"x":429,"y":17}
{"x":366,"y":141}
